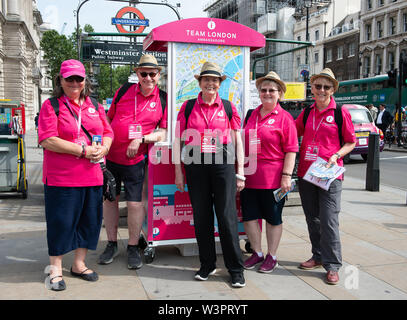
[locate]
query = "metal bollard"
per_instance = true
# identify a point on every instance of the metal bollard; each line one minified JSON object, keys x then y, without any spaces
{"x":373,"y":163}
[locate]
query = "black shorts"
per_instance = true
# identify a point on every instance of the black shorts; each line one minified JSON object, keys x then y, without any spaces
{"x":132,"y":177}
{"x":260,"y":204}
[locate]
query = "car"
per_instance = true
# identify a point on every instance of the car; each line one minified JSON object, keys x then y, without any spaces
{"x":364,"y":125}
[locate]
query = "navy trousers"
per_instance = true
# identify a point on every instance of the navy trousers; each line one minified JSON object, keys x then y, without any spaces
{"x":74,"y":218}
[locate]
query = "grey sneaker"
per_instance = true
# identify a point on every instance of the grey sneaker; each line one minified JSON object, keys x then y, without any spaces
{"x":134,"y":258}
{"x":109,"y":254}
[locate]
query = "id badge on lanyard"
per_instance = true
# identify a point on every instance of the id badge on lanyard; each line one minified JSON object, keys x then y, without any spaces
{"x":135,"y":128}
{"x":208,"y":138}
{"x":312,"y":149}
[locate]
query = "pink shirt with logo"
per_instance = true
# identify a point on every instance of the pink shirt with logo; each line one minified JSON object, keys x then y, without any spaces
{"x":322,"y":130}
{"x":278,"y":135}
{"x":149,"y":114}
{"x":204,"y":118}
{"x":65,"y":170}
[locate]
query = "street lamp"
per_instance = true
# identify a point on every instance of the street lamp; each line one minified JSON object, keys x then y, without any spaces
{"x":307,"y":5}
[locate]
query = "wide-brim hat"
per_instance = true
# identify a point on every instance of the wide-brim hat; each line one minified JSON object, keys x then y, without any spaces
{"x":328,"y":74}
{"x":148,"y":61}
{"x":274,"y":77}
{"x":210,"y":69}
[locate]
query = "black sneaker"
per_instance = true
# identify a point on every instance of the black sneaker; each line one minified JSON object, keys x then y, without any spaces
{"x":109,"y":254}
{"x":203,"y":274}
{"x":238,"y":280}
{"x":134,"y":257}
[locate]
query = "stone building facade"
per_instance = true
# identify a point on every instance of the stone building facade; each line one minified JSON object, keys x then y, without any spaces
{"x":341,"y":49}
{"x":383,"y":35}
{"x":20,"y":73}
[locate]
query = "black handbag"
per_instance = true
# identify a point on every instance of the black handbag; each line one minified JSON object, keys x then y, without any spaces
{"x":109,"y":182}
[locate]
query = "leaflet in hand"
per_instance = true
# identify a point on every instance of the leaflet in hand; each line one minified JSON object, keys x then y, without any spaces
{"x":278,"y":194}
{"x":321,"y":175}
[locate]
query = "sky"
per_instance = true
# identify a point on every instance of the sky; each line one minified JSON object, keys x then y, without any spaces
{"x":98,"y":13}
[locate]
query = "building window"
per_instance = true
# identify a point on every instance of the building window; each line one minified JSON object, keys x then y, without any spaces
{"x":369,"y":4}
{"x":340,"y":53}
{"x":392,"y":26}
{"x":366,"y":67}
{"x":316,"y":35}
{"x":391,"y":60}
{"x":380,"y":3}
{"x":328,"y":55}
{"x":352,"y":49}
{"x":405,"y":22}
{"x":368,"y":32}
{"x":378,"y":64}
{"x":316,"y":57}
{"x":379,"y":30}
{"x":298,"y":61}
{"x":299,"y":38}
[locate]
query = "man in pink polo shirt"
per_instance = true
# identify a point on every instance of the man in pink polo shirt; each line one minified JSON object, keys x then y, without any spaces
{"x":271,"y":141}
{"x":134,"y":119}
{"x":321,"y":138}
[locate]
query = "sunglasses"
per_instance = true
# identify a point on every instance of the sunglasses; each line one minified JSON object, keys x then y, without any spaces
{"x":151,"y":74}
{"x":320,"y":86}
{"x":268,"y":90}
{"x":74,"y":78}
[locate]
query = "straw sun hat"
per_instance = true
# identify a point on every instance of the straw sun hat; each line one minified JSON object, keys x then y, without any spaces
{"x":328,"y":74}
{"x":274,"y":77}
{"x":148,"y":61}
{"x":210,"y":69}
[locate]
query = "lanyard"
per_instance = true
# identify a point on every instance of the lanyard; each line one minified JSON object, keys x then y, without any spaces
{"x":213,"y":116}
{"x":135,"y":104}
{"x":313,"y":124}
{"x":79,"y":119}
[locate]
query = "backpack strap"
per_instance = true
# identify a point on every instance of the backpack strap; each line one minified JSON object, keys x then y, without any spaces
{"x":338,"y":119}
{"x":228,"y":108}
{"x":307,"y":111}
{"x":163,"y":99}
{"x":248,"y":114}
{"x":188,"y":110}
{"x":190,"y":105}
{"x":55,"y":104}
{"x":123,"y":89}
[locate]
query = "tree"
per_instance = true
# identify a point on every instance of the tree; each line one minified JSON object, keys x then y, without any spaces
{"x":57,"y":48}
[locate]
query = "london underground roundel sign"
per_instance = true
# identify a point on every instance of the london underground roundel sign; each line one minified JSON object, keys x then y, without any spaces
{"x":127,"y":10}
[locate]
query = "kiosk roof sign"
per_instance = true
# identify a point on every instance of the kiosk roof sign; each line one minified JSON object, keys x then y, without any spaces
{"x":204,"y":31}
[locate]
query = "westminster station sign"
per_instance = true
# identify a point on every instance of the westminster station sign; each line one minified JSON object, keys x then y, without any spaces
{"x":103,"y":52}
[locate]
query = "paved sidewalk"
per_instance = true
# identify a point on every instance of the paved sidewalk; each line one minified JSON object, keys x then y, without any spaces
{"x":374,"y":239}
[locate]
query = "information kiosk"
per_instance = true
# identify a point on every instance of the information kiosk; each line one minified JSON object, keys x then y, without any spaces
{"x":189,"y":43}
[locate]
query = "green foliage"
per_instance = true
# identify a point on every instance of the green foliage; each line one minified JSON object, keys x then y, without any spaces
{"x":110,"y":79}
{"x":57,"y":48}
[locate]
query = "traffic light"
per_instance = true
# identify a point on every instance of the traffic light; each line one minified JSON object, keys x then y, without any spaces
{"x":392,"y":82}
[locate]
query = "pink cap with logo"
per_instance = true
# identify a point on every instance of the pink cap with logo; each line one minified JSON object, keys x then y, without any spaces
{"x":72,"y":68}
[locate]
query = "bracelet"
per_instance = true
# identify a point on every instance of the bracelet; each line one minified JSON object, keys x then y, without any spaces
{"x":243,"y":178}
{"x":83,"y":154}
{"x":286,"y":174}
{"x":338,"y":155}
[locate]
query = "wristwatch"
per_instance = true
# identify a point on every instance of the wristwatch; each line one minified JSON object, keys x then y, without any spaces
{"x":338,"y":155}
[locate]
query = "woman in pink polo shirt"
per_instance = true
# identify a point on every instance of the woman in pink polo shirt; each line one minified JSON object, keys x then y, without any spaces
{"x":321,"y":138}
{"x":72,"y":178}
{"x":209,"y":162}
{"x":271,"y":144}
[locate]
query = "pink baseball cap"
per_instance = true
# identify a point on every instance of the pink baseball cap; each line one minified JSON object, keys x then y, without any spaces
{"x":72,"y":68}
